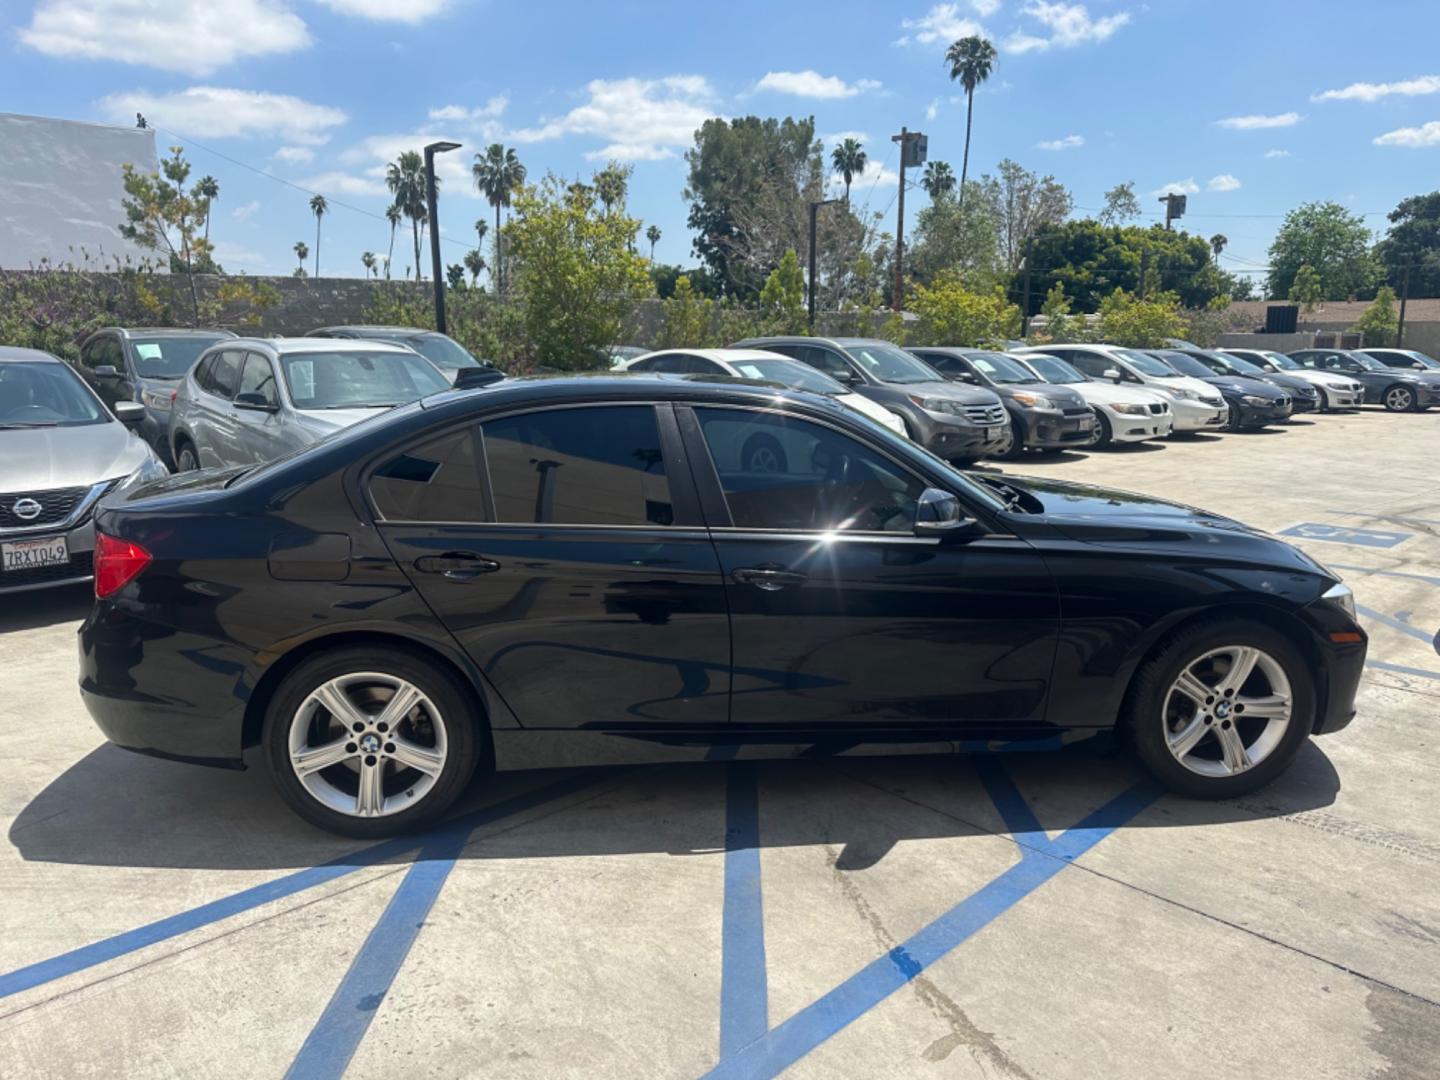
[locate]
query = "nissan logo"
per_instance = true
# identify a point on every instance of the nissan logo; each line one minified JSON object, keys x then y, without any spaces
{"x":26,"y":509}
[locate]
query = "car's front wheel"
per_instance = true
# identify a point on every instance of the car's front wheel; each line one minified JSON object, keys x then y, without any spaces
{"x":1100,"y":434}
{"x":186,"y":459}
{"x":1221,"y":708}
{"x":369,"y":742}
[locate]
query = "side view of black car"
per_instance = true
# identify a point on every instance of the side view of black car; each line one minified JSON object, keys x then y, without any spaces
{"x":1252,"y":403}
{"x":580,"y":571}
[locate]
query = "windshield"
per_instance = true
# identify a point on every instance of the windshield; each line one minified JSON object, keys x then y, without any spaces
{"x":890,"y":364}
{"x":1280,"y":360}
{"x":1148,"y":365}
{"x":1245,"y":367}
{"x":440,"y":350}
{"x":357,"y":380}
{"x":1001,"y":369}
{"x":1187,"y":365}
{"x":1369,"y":363}
{"x":169,"y":357}
{"x":42,"y":394}
{"x":1054,"y":370}
{"x":1419,"y":357}
{"x":789,"y":373}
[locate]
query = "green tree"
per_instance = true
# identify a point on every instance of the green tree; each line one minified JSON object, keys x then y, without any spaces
{"x":782,"y":300}
{"x":405,"y":177}
{"x":1379,"y":323}
{"x":1141,"y":324}
{"x":1306,"y":288}
{"x":1218,"y":243}
{"x":1413,"y":241}
{"x":686,"y":319}
{"x":475,"y":263}
{"x":949,"y":240}
{"x":938,"y":180}
{"x":455,"y":275}
{"x":1023,"y":204}
{"x":971,"y":61}
{"x":302,"y":251}
{"x":575,"y":273}
{"x":498,"y":175}
{"x":653,"y":235}
{"x":393,"y":215}
{"x":1060,"y":325}
{"x":951,"y":314}
{"x":612,"y":183}
{"x":162,"y":216}
{"x":367,"y":260}
{"x":1121,"y":205}
{"x":849,"y":160}
{"x":207,"y":188}
{"x":318,"y":207}
{"x":1333,"y":242}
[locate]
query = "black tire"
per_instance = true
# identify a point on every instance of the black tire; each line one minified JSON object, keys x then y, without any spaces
{"x":763,"y":454}
{"x":186,"y":459}
{"x":1233,"y":422}
{"x":464,"y":730}
{"x":1017,"y":441}
{"x":1398,"y":399}
{"x":1145,"y":722}
{"x":1323,"y":405}
{"x":1102,"y":435}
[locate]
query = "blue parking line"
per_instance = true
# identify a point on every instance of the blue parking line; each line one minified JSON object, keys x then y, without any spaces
{"x":1427,"y":578}
{"x":1398,"y":624}
{"x":1381,"y":665}
{"x":744,"y":995}
{"x":99,"y":952}
{"x":332,"y":1042}
{"x":785,"y":1044}
{"x":1014,"y":810}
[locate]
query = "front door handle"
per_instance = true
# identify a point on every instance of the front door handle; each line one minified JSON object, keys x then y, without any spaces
{"x":457,"y":565}
{"x":769,"y":578}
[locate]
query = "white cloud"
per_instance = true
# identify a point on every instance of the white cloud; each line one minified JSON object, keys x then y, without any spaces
{"x":1178,"y":187}
{"x":933,"y":109}
{"x":216,"y":112}
{"x":1424,"y":135}
{"x":941,"y":25}
{"x":246,"y":212}
{"x":985,"y":7}
{"x":643,"y":119}
{"x":191,"y":36}
{"x":1259,"y":122}
{"x":837,"y":137}
{"x":1068,"y":25}
{"x":228,"y":254}
{"x":1277,"y":153}
{"x":342,"y":183}
{"x":1363,"y":91}
{"x":811,"y":84}
{"x":1223,"y":182}
{"x":1069,"y":142}
{"x":371,"y":155}
{"x":408,"y":11}
{"x":295,"y":155}
{"x":483,"y":120}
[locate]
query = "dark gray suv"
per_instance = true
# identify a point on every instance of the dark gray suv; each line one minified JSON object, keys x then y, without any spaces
{"x":952,"y":420}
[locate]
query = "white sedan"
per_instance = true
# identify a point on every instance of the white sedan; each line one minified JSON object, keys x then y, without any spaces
{"x":1125,"y":413}
{"x":765,"y":366}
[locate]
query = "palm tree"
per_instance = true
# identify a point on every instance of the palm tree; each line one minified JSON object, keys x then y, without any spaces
{"x":405,"y":177}
{"x":318,"y":206}
{"x":481,"y":228}
{"x":938,"y":180}
{"x":302,"y":250}
{"x":611,"y":183}
{"x":498,"y":174}
{"x":653,"y":235}
{"x":849,"y":160}
{"x":367,"y":259}
{"x":971,"y":61}
{"x":475,"y":263}
{"x":392,"y":215}
{"x":1218,"y":243}
{"x":208,"y":188}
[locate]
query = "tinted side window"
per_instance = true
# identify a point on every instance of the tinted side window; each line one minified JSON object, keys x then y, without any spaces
{"x":780,"y":472}
{"x":436,"y":481}
{"x":258,"y":377}
{"x":93,"y":355}
{"x":589,"y":466}
{"x":224,"y":373}
{"x":646,"y":365}
{"x":943,"y":362}
{"x":825,"y":360}
{"x":1091,"y":364}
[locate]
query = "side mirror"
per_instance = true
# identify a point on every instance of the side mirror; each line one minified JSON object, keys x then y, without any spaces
{"x":845,"y":376}
{"x":937,"y":514}
{"x":1113,"y":374}
{"x":129,"y":413}
{"x":106,"y":371}
{"x":252,"y":400}
{"x":967,"y":377}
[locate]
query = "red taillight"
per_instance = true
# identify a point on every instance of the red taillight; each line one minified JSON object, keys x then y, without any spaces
{"x":116,"y":562}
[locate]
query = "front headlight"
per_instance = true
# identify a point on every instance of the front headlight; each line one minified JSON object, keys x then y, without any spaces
{"x":161,"y":400}
{"x":1255,"y":399}
{"x":935,"y":404}
{"x":1179,"y":393}
{"x":1340,"y":595}
{"x":1128,"y":409}
{"x":1034,"y":401}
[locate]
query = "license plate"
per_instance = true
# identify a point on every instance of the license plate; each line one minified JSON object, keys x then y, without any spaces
{"x":34,"y":554}
{"x":994,"y":434}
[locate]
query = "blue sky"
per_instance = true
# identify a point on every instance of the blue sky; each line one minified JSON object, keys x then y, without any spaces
{"x":1252,"y":107}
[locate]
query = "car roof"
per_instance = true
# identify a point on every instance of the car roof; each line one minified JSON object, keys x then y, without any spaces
{"x":374,"y":331}
{"x":17,"y":354}
{"x":313,"y":344}
{"x":628,"y":385}
{"x":725,"y":356}
{"x":167,"y":331}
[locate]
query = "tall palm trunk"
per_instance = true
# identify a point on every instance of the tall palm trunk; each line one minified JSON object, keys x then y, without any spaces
{"x":390,"y":255}
{"x":317,"y":245}
{"x":499,"y":256}
{"x":965,"y":160}
{"x":415,"y":228}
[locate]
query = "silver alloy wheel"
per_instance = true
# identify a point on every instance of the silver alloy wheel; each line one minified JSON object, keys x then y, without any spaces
{"x":187,"y":462}
{"x":367,"y":744}
{"x":1399,"y":399}
{"x":1228,"y":710}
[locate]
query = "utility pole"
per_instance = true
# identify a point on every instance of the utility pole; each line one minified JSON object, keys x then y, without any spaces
{"x":1404,"y":295}
{"x":913,"y":149}
{"x":430,"y":152}
{"x":1174,"y":208}
{"x":1025,"y":302}
{"x":814,"y":209}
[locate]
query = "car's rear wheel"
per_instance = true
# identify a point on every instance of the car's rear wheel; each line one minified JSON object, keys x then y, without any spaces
{"x":1221,"y":708}
{"x":186,"y":459}
{"x":1399,"y":399}
{"x":369,"y":742}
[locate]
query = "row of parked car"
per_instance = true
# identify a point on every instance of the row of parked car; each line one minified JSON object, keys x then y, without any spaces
{"x":208,"y":399}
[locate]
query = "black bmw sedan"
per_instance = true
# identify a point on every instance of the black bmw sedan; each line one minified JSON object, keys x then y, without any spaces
{"x":1252,"y":403}
{"x":584,"y":570}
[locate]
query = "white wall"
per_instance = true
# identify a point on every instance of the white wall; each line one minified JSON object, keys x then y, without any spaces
{"x":60,"y":189}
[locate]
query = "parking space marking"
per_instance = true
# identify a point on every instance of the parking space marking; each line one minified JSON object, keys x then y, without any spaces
{"x":1398,"y":624}
{"x":744,"y":996}
{"x":1381,"y":665}
{"x":1342,"y":534}
{"x":99,"y":952}
{"x":1041,"y":859}
{"x":1427,"y":578}
{"x":332,"y":1042}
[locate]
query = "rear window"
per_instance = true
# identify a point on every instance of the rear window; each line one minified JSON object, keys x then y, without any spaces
{"x":343,"y":379}
{"x":436,"y":481}
{"x":169,"y":357}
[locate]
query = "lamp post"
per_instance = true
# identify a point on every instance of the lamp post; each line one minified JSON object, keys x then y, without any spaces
{"x":430,"y":152}
{"x":814,"y":209}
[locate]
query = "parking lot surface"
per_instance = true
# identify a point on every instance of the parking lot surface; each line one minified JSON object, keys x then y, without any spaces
{"x":1044,"y":915}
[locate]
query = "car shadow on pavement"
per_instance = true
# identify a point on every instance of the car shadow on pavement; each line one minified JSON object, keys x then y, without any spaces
{"x":114,"y":808}
{"x":45,"y":607}
{"x":1149,"y":446}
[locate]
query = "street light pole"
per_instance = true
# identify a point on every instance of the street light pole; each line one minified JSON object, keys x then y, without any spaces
{"x":430,"y":152}
{"x":814,"y":208}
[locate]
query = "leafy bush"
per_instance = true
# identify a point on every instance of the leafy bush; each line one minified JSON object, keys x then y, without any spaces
{"x":686,"y":320}
{"x":1379,"y":323}
{"x":1141,"y":324}
{"x":950,"y":314}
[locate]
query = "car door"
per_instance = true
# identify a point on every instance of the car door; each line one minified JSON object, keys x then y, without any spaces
{"x":564,"y":549}
{"x":257,"y":425}
{"x":840,"y":614}
{"x":105,"y":351}
{"x":1374,"y":382}
{"x":214,"y":427}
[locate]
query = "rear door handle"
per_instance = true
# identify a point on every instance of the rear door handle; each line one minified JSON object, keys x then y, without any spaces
{"x":456,"y":565}
{"x":769,"y":578}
